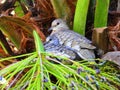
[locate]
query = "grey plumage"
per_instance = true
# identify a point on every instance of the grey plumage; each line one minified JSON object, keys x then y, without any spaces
{"x":55,"y":48}
{"x":67,"y":38}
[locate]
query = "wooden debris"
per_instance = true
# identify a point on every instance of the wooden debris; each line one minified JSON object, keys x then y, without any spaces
{"x":100,"y":38}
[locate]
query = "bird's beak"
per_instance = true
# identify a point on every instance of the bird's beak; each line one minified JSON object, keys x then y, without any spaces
{"x":50,"y":29}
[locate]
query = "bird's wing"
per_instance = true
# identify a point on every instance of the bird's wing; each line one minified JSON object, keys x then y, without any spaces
{"x":86,"y":54}
{"x":73,"y":40}
{"x":77,"y":36}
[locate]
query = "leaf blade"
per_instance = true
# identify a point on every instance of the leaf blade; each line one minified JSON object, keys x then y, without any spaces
{"x":80,"y":16}
{"x":101,"y":13}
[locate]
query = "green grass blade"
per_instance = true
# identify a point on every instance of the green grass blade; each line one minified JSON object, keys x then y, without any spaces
{"x":80,"y":16}
{"x":101,"y":13}
{"x":38,"y":42}
{"x":21,"y":64}
{"x":13,"y":57}
{"x":39,"y":49}
{"x":3,"y":47}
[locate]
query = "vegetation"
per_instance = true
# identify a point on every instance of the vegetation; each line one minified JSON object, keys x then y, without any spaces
{"x":25,"y":65}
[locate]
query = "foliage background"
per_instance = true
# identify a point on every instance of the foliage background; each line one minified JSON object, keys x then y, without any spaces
{"x":23,"y":63}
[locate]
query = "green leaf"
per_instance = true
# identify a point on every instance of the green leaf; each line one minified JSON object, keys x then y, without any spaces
{"x":61,"y":9}
{"x":18,"y":9}
{"x":12,"y":34}
{"x":8,"y":24}
{"x":20,"y":22}
{"x":80,"y":16}
{"x":38,"y":42}
{"x":101,"y":13}
{"x":39,"y":50}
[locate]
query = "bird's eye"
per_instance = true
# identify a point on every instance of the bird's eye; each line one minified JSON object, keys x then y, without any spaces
{"x":58,"y":23}
{"x":50,"y":39}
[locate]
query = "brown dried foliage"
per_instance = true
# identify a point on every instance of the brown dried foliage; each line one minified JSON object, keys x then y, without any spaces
{"x":114,"y":37}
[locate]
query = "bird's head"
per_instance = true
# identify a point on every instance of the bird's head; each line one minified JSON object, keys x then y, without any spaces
{"x":58,"y":24}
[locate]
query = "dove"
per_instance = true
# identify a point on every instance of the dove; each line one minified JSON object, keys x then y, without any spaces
{"x":55,"y":48}
{"x":68,"y":38}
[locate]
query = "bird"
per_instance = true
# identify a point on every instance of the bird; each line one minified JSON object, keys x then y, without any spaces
{"x":68,"y":38}
{"x":53,"y":46}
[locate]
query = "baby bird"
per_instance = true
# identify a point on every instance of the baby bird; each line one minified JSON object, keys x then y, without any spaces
{"x":68,"y":38}
{"x":55,"y":48}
